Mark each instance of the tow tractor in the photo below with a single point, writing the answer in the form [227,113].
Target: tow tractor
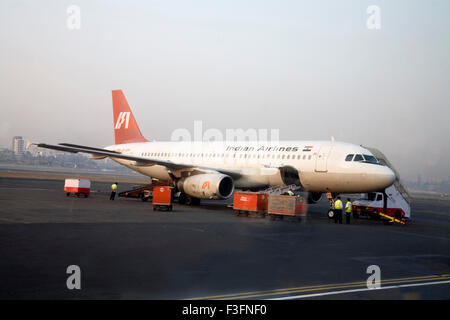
[390,206]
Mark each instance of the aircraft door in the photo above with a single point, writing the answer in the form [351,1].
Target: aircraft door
[322,158]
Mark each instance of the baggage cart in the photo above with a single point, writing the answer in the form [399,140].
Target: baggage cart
[282,205]
[143,192]
[78,187]
[252,203]
[162,198]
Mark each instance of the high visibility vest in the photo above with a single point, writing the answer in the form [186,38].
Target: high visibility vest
[114,187]
[338,205]
[348,207]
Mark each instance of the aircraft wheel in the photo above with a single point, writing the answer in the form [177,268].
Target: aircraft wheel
[330,214]
[374,215]
[189,200]
[182,198]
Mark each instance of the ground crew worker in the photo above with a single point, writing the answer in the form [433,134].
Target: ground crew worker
[290,193]
[338,210]
[113,191]
[348,210]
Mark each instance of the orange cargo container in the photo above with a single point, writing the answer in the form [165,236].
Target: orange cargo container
[286,206]
[162,198]
[249,202]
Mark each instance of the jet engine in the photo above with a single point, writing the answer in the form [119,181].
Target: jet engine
[207,186]
[314,197]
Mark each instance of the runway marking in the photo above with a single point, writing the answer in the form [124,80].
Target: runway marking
[25,188]
[360,290]
[407,233]
[278,292]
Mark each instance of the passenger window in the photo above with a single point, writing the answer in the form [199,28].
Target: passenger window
[358,157]
[309,157]
[349,157]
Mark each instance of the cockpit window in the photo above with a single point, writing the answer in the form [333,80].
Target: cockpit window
[349,157]
[370,159]
[366,158]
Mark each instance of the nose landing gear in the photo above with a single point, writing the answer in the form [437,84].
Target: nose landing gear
[331,197]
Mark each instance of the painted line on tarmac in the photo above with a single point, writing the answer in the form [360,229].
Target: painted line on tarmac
[24,188]
[360,290]
[347,285]
[407,233]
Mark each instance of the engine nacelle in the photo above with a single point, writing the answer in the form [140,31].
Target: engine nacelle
[314,197]
[207,186]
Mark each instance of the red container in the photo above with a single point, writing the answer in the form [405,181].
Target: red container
[250,201]
[162,195]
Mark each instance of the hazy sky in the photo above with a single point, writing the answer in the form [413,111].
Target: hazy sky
[310,69]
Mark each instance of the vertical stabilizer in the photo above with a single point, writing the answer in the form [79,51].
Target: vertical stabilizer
[126,129]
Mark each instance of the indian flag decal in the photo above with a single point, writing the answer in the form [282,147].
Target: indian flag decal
[307,148]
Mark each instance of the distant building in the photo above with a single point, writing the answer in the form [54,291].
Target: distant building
[18,145]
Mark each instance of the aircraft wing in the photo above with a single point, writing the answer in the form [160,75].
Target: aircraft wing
[138,161]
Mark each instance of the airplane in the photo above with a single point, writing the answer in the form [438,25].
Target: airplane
[212,170]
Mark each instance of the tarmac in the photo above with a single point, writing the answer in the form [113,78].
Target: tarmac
[125,250]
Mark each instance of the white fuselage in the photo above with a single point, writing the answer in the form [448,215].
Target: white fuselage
[321,166]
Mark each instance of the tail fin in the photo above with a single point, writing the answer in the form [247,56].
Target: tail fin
[126,129]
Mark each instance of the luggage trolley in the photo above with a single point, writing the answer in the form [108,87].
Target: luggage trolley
[162,198]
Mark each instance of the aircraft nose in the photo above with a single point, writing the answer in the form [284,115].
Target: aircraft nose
[385,177]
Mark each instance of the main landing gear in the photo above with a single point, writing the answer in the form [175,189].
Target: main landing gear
[184,198]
